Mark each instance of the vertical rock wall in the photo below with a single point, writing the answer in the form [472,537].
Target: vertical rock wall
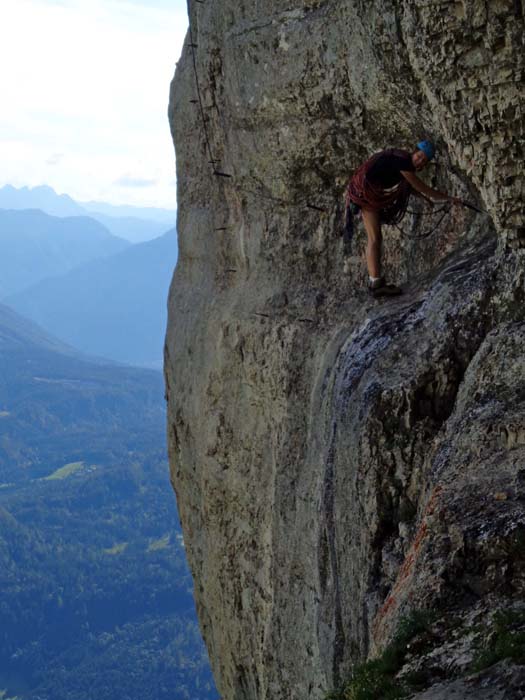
[313,431]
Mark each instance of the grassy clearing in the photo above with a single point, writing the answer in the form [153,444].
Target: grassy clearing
[116,549]
[65,471]
[161,543]
[3,696]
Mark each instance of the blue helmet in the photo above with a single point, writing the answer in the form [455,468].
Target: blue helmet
[428,148]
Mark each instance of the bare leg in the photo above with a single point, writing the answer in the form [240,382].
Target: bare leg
[375,239]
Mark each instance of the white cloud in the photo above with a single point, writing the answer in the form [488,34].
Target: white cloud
[131,181]
[88,80]
[54,159]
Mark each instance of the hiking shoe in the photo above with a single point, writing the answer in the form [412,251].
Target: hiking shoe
[379,288]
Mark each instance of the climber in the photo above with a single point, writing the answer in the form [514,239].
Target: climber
[381,188]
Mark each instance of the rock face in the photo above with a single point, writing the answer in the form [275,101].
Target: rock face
[341,462]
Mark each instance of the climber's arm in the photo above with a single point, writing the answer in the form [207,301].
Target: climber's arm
[427,191]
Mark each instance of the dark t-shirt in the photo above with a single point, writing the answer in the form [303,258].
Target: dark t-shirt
[386,171]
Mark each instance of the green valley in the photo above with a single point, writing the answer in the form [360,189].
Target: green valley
[97,599]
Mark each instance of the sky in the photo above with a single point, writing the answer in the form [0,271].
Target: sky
[84,92]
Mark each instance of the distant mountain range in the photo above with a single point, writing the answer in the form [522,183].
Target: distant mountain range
[44,198]
[135,224]
[34,245]
[114,307]
[162,216]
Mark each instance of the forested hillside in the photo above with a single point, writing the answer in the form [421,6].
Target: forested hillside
[96,595]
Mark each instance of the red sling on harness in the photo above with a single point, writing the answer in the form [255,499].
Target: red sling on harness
[391,203]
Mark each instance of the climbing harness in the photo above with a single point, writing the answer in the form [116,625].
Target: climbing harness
[391,203]
[353,209]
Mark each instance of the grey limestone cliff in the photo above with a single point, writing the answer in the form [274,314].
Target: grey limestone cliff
[340,462]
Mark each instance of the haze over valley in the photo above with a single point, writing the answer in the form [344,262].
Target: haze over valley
[90,288]
[98,597]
